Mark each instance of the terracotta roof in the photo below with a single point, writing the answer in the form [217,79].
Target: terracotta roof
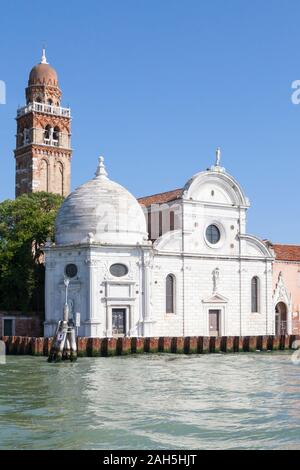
[43,74]
[287,252]
[161,198]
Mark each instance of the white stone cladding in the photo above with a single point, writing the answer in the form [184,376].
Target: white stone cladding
[208,277]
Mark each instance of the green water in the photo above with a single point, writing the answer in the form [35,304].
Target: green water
[212,401]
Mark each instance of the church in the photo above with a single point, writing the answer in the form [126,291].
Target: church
[178,263]
[203,275]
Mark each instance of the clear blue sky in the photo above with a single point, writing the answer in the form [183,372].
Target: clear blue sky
[156,85]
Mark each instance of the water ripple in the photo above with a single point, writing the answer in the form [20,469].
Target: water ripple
[241,401]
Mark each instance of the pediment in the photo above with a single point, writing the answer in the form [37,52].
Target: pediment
[215,299]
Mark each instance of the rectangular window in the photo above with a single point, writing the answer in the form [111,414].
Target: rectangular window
[160,223]
[7,327]
[172,221]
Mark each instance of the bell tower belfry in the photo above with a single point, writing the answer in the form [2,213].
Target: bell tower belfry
[43,142]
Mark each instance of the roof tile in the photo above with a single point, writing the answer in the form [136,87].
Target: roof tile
[287,252]
[161,198]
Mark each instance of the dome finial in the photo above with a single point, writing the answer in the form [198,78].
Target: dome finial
[44,58]
[101,171]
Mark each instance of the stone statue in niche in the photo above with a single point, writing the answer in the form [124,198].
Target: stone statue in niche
[216,280]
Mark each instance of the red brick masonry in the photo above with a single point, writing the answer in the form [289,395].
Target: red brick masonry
[93,347]
[30,325]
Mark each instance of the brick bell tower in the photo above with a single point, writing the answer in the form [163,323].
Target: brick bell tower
[43,142]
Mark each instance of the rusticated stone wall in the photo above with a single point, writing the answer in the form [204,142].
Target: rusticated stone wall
[93,347]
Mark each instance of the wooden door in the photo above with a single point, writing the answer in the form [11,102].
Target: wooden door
[119,321]
[214,323]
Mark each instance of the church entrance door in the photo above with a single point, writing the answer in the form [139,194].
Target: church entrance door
[119,321]
[214,322]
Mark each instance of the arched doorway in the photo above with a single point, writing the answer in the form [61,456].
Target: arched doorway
[281,327]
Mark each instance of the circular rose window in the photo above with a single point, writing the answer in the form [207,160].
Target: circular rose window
[213,234]
[118,270]
[71,270]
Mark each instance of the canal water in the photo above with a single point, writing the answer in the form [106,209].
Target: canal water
[216,401]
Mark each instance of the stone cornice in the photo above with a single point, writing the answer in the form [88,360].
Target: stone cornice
[43,149]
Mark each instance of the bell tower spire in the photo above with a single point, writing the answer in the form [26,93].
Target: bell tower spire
[43,143]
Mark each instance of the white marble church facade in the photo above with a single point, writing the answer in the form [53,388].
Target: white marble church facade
[201,275]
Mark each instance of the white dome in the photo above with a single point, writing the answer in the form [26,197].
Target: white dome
[101,211]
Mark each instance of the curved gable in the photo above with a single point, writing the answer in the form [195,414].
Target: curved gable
[217,187]
[253,246]
[170,241]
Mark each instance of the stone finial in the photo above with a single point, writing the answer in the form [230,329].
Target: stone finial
[218,156]
[101,171]
[44,58]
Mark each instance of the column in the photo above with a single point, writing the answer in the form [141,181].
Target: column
[148,321]
[92,318]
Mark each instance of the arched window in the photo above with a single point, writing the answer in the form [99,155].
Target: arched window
[47,134]
[50,102]
[170,294]
[255,294]
[56,132]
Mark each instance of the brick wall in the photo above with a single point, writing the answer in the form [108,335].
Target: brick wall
[22,325]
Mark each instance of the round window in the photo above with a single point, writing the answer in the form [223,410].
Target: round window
[118,270]
[213,234]
[71,270]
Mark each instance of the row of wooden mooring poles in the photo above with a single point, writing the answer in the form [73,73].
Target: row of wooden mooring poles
[93,347]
